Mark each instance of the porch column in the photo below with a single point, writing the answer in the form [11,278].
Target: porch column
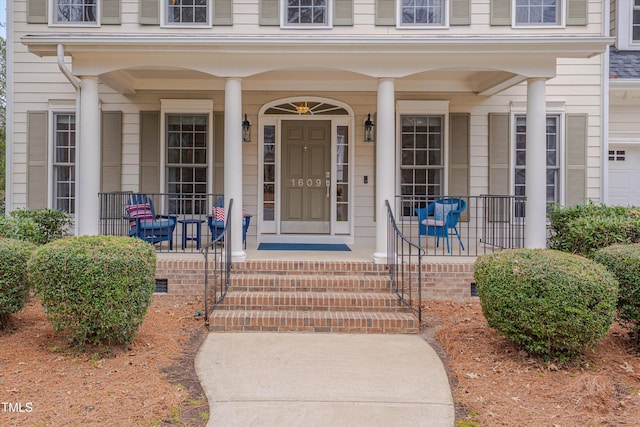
[535,229]
[233,162]
[88,158]
[385,164]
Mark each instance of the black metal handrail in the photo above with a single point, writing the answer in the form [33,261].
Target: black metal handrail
[221,266]
[404,262]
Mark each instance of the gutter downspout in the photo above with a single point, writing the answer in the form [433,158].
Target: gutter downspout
[77,85]
[604,182]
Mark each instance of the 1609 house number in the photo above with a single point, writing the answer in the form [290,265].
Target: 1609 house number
[300,182]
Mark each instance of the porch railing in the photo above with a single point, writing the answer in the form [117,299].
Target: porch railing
[488,224]
[219,251]
[404,263]
[190,210]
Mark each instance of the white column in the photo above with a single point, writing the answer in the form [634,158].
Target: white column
[88,158]
[233,162]
[385,163]
[535,229]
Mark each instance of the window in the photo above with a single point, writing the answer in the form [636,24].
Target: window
[422,13]
[194,12]
[64,156]
[538,12]
[187,137]
[617,155]
[635,25]
[421,167]
[306,13]
[553,157]
[76,11]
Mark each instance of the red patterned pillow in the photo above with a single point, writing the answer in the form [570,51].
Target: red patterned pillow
[218,213]
[140,211]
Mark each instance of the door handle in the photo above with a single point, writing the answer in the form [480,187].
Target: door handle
[327,186]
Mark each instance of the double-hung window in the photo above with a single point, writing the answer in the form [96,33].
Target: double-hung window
[188,12]
[186,140]
[75,11]
[422,13]
[553,157]
[635,22]
[64,155]
[307,13]
[538,12]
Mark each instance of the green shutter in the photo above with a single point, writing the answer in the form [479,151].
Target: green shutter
[149,12]
[111,151]
[576,165]
[499,154]
[501,12]
[37,173]
[37,12]
[385,12]
[218,152]
[111,12]
[460,12]
[577,12]
[222,12]
[270,12]
[459,137]
[150,151]
[343,12]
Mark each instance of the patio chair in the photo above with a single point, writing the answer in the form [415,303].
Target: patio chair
[146,224]
[440,219]
[215,221]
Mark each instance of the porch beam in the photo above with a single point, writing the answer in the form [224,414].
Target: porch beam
[535,229]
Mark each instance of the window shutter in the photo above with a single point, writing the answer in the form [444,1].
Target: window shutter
[150,151]
[459,154]
[501,12]
[218,152]
[149,12]
[577,12]
[576,188]
[343,12]
[460,12]
[270,12]
[110,12]
[37,12]
[499,154]
[385,12]
[222,12]
[37,174]
[111,156]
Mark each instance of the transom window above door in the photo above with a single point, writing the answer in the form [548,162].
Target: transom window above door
[307,13]
[302,107]
[422,13]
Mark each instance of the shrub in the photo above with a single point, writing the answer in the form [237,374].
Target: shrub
[37,226]
[14,288]
[587,228]
[551,303]
[97,288]
[624,262]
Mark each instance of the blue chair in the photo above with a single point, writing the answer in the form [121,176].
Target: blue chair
[145,224]
[217,226]
[440,219]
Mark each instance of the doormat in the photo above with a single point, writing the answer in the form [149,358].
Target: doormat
[303,247]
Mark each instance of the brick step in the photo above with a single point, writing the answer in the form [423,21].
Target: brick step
[301,283]
[312,301]
[313,321]
[310,267]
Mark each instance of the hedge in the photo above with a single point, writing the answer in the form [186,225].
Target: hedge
[14,285]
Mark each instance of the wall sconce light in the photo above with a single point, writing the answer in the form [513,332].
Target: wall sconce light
[369,126]
[246,130]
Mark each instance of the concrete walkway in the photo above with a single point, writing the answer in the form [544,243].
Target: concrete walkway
[298,379]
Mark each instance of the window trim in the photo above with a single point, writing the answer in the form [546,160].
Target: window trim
[286,26]
[444,25]
[164,16]
[624,19]
[55,108]
[562,23]
[53,21]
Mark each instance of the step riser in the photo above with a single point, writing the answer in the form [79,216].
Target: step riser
[310,268]
[302,302]
[308,284]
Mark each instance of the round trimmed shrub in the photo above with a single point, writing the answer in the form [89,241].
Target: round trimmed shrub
[14,285]
[96,288]
[624,262]
[552,303]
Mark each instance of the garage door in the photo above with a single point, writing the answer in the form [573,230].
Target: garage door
[624,175]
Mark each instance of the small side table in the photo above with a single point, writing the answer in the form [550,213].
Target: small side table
[186,236]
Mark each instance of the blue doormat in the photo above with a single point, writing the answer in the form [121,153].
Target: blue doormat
[302,247]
